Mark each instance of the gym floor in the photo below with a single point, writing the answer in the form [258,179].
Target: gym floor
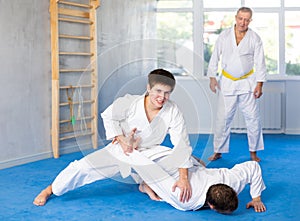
[115,200]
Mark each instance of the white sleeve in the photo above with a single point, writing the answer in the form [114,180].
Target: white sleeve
[246,173]
[179,137]
[256,183]
[259,61]
[115,114]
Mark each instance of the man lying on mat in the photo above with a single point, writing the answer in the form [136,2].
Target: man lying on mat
[216,188]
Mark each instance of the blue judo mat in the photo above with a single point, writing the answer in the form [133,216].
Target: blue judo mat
[112,200]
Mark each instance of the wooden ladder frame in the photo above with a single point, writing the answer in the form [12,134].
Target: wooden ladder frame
[84,14]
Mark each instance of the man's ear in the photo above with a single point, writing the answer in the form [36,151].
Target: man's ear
[211,206]
[148,88]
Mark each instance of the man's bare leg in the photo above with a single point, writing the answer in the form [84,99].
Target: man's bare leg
[43,196]
[215,156]
[254,157]
[144,188]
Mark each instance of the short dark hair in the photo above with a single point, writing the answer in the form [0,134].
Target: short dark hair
[245,9]
[222,197]
[161,76]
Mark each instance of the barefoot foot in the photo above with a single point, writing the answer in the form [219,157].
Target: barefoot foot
[254,157]
[215,156]
[144,188]
[42,198]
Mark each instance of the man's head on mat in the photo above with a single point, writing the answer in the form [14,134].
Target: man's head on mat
[160,85]
[222,198]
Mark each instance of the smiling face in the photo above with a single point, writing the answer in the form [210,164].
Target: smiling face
[243,19]
[159,94]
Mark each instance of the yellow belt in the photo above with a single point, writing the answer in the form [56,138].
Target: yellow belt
[226,74]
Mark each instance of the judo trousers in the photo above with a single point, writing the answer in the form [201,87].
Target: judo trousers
[109,162]
[227,105]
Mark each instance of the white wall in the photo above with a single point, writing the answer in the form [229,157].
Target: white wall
[292,108]
[196,102]
[25,81]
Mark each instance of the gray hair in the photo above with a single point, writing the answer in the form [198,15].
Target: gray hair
[245,9]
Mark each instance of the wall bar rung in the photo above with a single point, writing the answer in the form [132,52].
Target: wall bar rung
[78,119]
[74,136]
[76,37]
[74,13]
[76,20]
[77,102]
[76,53]
[75,70]
[75,4]
[76,86]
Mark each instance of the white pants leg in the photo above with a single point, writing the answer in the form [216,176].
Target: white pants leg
[250,109]
[225,112]
[98,165]
[226,109]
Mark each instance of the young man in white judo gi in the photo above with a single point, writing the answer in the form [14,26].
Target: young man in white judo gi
[149,117]
[217,188]
[241,50]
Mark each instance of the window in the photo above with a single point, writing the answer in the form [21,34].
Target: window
[292,43]
[220,3]
[262,3]
[192,27]
[266,25]
[175,4]
[291,3]
[175,34]
[214,23]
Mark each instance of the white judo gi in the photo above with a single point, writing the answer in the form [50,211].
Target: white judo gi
[121,117]
[238,60]
[200,178]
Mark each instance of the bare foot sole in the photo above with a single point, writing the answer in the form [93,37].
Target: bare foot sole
[42,198]
[215,156]
[144,188]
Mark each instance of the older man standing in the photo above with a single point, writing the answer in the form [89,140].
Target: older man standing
[240,50]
